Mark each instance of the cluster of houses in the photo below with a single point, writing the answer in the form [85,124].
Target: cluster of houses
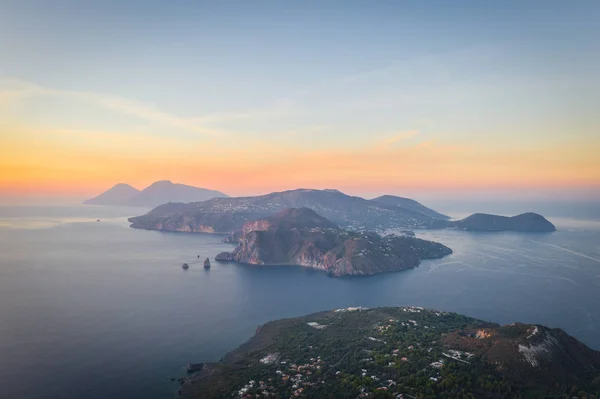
[248,390]
[351,309]
[300,378]
[297,376]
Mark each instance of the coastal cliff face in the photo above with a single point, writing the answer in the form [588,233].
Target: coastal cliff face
[526,222]
[228,215]
[324,246]
[205,222]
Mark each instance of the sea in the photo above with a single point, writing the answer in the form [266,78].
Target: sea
[91,308]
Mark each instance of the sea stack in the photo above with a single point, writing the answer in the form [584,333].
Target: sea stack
[207,263]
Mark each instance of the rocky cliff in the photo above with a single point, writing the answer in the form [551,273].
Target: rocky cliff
[315,242]
[532,353]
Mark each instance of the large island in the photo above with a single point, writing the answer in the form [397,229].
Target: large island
[407,352]
[299,236]
[228,215]
[381,214]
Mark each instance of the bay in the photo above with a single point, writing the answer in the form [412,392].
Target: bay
[99,310]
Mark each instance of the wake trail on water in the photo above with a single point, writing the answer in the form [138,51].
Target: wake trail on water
[490,255]
[434,267]
[567,250]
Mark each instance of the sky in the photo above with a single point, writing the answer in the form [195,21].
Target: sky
[414,98]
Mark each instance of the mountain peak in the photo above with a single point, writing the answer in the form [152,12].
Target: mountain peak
[116,195]
[119,185]
[158,193]
[161,183]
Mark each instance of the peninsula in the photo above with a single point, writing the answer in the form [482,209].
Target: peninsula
[299,236]
[406,352]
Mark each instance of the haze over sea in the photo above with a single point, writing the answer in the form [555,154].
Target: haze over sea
[99,310]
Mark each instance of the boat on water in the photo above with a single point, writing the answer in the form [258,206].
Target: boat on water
[185,266]
[207,263]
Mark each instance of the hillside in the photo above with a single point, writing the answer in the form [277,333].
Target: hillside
[526,222]
[291,218]
[408,205]
[119,194]
[413,352]
[302,237]
[227,215]
[160,192]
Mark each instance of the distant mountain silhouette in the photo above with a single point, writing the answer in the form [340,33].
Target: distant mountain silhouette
[165,191]
[118,194]
[158,193]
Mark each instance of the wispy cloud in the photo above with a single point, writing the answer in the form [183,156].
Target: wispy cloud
[280,108]
[389,141]
[14,89]
[306,130]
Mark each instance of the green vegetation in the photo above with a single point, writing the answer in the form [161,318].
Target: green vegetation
[380,353]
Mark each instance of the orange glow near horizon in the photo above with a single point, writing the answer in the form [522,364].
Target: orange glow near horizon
[61,163]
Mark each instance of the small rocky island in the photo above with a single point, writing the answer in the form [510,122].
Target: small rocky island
[299,236]
[406,352]
[526,223]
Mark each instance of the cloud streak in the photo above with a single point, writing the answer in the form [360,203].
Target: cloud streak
[389,141]
[13,89]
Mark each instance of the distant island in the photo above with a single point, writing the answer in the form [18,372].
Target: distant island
[406,352]
[299,236]
[160,192]
[527,222]
[228,215]
[119,194]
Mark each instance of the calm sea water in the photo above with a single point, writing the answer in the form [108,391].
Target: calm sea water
[99,310]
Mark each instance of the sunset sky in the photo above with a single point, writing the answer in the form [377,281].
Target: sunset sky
[370,97]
